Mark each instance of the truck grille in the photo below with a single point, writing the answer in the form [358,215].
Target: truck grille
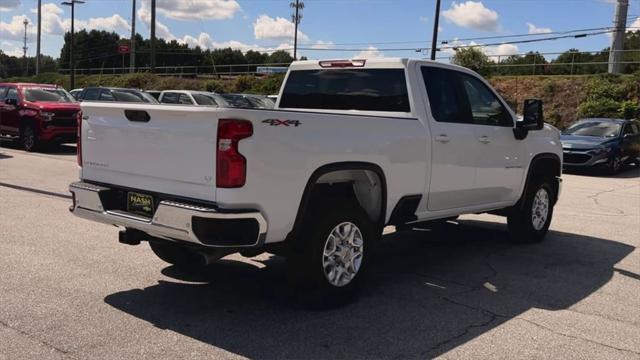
[570,158]
[65,119]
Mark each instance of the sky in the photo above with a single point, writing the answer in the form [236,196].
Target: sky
[329,28]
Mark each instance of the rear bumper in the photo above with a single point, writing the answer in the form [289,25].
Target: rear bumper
[204,225]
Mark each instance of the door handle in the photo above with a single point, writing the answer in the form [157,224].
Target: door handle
[484,139]
[442,138]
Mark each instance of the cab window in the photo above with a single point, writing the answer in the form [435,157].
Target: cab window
[12,93]
[485,107]
[91,94]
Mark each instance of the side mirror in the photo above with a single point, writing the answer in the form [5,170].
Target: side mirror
[13,102]
[628,136]
[533,118]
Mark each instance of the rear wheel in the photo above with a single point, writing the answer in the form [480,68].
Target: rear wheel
[332,256]
[530,223]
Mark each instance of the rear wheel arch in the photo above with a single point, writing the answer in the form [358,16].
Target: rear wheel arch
[373,198]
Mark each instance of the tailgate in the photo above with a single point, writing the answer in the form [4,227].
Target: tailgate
[174,152]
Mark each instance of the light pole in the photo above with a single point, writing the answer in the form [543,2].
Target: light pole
[436,20]
[72,65]
[296,17]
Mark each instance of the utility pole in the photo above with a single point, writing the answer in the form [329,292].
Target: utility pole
[434,40]
[132,50]
[153,36]
[25,48]
[39,37]
[296,17]
[72,64]
[617,44]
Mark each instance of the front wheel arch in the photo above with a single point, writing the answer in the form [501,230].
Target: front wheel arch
[542,165]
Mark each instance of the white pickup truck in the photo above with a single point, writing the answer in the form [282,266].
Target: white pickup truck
[351,146]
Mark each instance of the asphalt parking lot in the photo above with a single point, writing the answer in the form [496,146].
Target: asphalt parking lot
[69,290]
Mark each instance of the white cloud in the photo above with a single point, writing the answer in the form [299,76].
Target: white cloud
[198,9]
[369,53]
[14,30]
[635,26]
[423,19]
[266,27]
[323,45]
[53,22]
[500,50]
[8,5]
[493,52]
[472,14]
[538,30]
[11,49]
[205,41]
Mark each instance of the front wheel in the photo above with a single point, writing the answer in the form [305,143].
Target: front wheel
[333,254]
[615,164]
[29,139]
[530,223]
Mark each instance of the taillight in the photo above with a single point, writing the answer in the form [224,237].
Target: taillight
[231,166]
[79,121]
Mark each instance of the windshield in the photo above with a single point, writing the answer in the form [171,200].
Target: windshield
[202,99]
[594,128]
[48,95]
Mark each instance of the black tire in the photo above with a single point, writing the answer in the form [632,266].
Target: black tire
[521,220]
[615,165]
[29,138]
[174,254]
[307,258]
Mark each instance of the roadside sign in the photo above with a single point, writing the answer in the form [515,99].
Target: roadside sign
[123,49]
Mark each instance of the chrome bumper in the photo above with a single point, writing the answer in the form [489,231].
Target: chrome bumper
[172,220]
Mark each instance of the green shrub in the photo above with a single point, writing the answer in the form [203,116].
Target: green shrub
[215,86]
[629,109]
[601,107]
[245,83]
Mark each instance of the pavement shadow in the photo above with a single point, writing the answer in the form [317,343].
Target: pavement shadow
[425,295]
[5,156]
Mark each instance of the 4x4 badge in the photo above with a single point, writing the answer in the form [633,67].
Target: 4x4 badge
[277,122]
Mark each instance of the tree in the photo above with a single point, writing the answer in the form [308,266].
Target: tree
[474,59]
[280,56]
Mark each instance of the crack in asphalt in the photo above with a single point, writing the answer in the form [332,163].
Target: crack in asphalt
[576,337]
[617,211]
[32,337]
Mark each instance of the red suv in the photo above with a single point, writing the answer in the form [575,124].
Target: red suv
[37,114]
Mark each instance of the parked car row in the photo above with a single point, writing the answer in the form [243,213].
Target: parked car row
[36,114]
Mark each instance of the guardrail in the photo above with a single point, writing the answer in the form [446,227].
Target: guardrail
[631,60]
[187,71]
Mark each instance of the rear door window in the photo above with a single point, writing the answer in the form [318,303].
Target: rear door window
[105,95]
[3,90]
[447,101]
[184,99]
[170,98]
[347,89]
